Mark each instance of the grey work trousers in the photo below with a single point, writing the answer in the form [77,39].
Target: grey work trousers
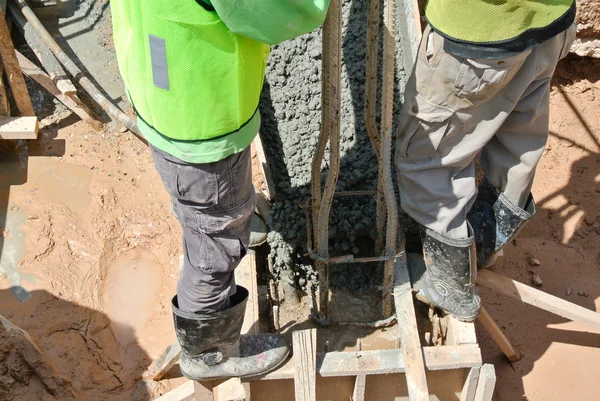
[215,203]
[456,108]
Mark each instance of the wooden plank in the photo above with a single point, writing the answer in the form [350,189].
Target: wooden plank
[43,53]
[245,275]
[165,362]
[72,102]
[4,105]
[359,388]
[498,336]
[13,71]
[470,386]
[204,391]
[538,298]
[19,127]
[383,362]
[247,390]
[264,167]
[305,364]
[409,334]
[460,333]
[185,392]
[487,382]
[443,385]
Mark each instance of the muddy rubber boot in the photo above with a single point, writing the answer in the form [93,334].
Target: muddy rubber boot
[449,280]
[258,231]
[496,221]
[212,347]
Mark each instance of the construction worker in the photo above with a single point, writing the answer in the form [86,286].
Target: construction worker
[480,85]
[194,70]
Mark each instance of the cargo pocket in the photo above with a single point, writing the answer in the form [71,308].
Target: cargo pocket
[481,78]
[422,128]
[197,183]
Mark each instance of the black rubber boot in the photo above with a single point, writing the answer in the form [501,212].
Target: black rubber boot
[212,347]
[496,221]
[449,280]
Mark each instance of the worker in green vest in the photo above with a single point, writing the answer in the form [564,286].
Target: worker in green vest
[194,71]
[480,86]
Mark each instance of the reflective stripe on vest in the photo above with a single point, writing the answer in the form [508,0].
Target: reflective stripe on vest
[188,76]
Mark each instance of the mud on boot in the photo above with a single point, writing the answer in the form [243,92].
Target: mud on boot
[496,221]
[449,280]
[213,348]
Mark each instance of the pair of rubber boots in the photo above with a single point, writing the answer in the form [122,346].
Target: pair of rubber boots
[451,264]
[212,346]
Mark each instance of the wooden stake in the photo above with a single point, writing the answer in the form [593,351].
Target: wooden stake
[359,388]
[13,71]
[498,336]
[470,387]
[487,382]
[538,298]
[165,362]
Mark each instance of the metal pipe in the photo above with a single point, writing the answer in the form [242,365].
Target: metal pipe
[112,110]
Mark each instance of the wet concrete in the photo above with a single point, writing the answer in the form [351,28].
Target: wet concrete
[290,108]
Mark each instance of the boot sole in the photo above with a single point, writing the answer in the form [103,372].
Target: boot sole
[466,319]
[283,361]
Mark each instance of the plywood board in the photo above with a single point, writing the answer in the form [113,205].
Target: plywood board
[19,127]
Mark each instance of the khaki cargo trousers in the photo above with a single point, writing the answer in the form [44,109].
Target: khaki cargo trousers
[456,108]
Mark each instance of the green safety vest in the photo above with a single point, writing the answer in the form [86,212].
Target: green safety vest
[188,76]
[489,21]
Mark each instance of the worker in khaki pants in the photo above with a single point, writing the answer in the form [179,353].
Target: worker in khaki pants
[480,85]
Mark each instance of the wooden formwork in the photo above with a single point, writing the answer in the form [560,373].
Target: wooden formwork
[454,371]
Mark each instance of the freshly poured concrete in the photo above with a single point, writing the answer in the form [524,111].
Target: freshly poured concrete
[291,115]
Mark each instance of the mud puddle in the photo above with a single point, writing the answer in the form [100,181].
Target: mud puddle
[60,182]
[12,238]
[130,292]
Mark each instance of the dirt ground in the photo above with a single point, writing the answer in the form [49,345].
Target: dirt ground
[89,254]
